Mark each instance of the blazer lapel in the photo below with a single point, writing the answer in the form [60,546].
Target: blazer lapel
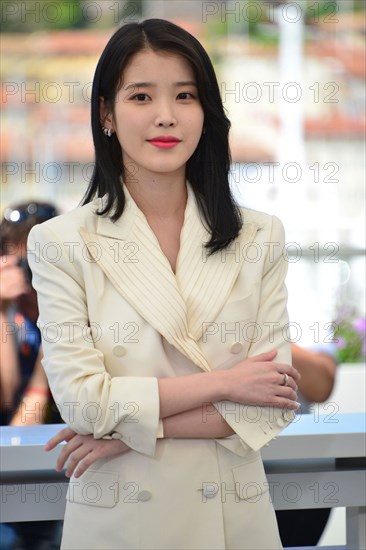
[175,305]
[131,257]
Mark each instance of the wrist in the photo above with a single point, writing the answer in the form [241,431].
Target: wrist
[219,383]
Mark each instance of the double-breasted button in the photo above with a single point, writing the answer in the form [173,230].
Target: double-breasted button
[144,496]
[119,351]
[210,490]
[116,435]
[289,415]
[236,348]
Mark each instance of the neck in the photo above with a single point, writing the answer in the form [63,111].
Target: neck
[164,196]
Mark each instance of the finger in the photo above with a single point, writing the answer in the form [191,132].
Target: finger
[294,373]
[287,392]
[111,448]
[289,370]
[79,457]
[86,455]
[266,356]
[63,435]
[292,384]
[67,450]
[85,463]
[286,381]
[284,403]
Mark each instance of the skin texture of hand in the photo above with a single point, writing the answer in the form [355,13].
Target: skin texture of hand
[259,381]
[81,451]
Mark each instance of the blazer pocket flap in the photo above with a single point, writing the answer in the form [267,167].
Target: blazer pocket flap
[250,480]
[94,488]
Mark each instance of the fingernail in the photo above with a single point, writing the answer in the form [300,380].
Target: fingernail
[298,405]
[46,447]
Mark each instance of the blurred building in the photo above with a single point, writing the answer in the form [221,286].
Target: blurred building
[46,145]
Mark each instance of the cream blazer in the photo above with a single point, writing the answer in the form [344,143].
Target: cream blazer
[114,318]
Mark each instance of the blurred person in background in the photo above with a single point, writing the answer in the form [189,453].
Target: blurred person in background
[24,391]
[317,367]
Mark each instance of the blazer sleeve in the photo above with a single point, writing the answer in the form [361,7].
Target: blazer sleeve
[89,399]
[256,425]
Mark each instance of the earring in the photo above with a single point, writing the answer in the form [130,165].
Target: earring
[204,130]
[107,131]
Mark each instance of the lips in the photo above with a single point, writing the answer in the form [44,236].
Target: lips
[164,142]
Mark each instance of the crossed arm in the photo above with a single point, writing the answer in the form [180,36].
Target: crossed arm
[186,410]
[180,402]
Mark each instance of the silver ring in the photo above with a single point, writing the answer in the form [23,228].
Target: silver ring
[285,379]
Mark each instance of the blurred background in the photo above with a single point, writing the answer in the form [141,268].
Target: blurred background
[292,78]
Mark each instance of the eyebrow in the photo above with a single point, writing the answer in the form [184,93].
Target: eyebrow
[152,85]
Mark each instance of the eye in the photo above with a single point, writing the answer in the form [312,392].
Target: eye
[140,98]
[185,95]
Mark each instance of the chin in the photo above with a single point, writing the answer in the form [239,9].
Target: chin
[165,168]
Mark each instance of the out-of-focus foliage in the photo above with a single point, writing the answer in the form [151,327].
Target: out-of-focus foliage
[350,336]
[29,15]
[34,15]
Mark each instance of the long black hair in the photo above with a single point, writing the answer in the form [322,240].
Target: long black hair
[208,168]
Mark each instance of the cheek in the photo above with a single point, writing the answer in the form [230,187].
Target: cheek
[128,131]
[197,121]
[124,120]
[196,125]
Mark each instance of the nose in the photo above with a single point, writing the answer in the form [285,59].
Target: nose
[165,116]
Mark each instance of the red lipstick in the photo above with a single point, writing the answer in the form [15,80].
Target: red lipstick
[164,142]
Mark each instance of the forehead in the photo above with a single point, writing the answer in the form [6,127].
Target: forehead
[151,66]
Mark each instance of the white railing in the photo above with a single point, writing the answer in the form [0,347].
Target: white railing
[317,462]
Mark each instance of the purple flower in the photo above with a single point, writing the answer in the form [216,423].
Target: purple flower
[360,325]
[341,342]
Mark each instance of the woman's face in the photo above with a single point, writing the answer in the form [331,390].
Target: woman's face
[158,117]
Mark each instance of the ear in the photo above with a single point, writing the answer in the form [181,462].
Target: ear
[105,114]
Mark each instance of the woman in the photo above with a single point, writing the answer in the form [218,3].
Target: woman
[159,328]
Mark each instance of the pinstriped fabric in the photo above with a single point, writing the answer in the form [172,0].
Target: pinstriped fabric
[147,286]
[175,305]
[205,282]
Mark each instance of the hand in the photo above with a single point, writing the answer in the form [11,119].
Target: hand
[13,282]
[259,381]
[83,450]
